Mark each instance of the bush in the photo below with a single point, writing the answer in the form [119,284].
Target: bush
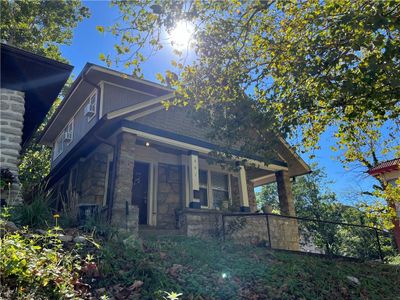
[34,214]
[36,266]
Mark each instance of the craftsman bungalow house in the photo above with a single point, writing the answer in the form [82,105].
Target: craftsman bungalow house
[117,150]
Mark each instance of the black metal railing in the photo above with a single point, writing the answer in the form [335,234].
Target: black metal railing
[308,235]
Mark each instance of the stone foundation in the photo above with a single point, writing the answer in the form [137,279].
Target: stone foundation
[12,111]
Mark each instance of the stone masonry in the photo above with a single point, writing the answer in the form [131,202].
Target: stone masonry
[254,230]
[124,214]
[11,124]
[169,196]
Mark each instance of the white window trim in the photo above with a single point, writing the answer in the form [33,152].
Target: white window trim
[58,153]
[87,101]
[61,136]
[210,197]
[71,122]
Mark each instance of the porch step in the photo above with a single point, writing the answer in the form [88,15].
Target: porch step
[150,231]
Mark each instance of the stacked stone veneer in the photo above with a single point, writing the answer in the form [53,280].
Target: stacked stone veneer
[169,195]
[11,124]
[124,214]
[201,223]
[254,230]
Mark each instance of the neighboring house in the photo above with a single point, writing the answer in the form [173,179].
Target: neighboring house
[117,150]
[389,171]
[29,85]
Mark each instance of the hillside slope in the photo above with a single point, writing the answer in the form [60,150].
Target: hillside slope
[212,270]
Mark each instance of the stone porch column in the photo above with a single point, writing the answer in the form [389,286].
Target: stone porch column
[194,184]
[124,214]
[285,193]
[243,190]
[12,121]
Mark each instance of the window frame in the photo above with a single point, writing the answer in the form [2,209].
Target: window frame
[210,197]
[93,95]
[60,149]
[70,124]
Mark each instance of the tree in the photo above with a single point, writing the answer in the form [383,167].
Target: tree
[41,27]
[295,68]
[313,200]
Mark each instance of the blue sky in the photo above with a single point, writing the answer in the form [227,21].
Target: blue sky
[88,43]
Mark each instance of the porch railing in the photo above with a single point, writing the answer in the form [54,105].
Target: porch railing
[308,235]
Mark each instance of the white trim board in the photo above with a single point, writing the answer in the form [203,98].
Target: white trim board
[141,105]
[258,164]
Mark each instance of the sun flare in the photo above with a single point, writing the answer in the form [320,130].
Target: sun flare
[182,35]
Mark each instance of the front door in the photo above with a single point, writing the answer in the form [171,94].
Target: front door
[140,189]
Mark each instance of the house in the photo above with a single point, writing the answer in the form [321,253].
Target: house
[116,150]
[29,85]
[389,171]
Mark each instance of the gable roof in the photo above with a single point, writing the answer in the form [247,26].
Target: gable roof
[88,79]
[385,167]
[40,78]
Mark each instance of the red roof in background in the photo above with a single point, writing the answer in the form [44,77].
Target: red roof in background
[385,167]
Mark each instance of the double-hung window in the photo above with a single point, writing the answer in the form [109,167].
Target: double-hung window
[213,189]
[69,132]
[220,189]
[58,146]
[91,106]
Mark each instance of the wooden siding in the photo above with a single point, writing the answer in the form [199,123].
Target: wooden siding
[81,127]
[116,97]
[175,120]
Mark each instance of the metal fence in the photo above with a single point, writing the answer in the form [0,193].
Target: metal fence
[335,239]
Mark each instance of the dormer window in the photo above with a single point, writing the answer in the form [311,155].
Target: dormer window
[91,106]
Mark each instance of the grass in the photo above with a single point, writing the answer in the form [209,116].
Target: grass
[213,270]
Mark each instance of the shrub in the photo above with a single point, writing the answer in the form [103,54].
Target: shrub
[36,266]
[34,214]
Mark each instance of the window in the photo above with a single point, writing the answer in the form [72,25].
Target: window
[65,138]
[203,180]
[220,189]
[69,132]
[58,146]
[213,189]
[90,108]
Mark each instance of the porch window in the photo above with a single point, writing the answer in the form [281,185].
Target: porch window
[220,189]
[203,179]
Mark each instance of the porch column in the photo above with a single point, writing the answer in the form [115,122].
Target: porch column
[194,180]
[244,195]
[285,193]
[124,214]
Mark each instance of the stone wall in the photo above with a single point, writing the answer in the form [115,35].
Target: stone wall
[252,196]
[200,223]
[91,179]
[254,230]
[12,120]
[235,206]
[169,195]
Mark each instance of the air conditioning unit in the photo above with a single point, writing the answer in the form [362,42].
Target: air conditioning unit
[68,136]
[88,111]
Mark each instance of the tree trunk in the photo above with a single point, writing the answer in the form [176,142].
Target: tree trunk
[396,223]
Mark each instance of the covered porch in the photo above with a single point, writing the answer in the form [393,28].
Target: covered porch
[165,183]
